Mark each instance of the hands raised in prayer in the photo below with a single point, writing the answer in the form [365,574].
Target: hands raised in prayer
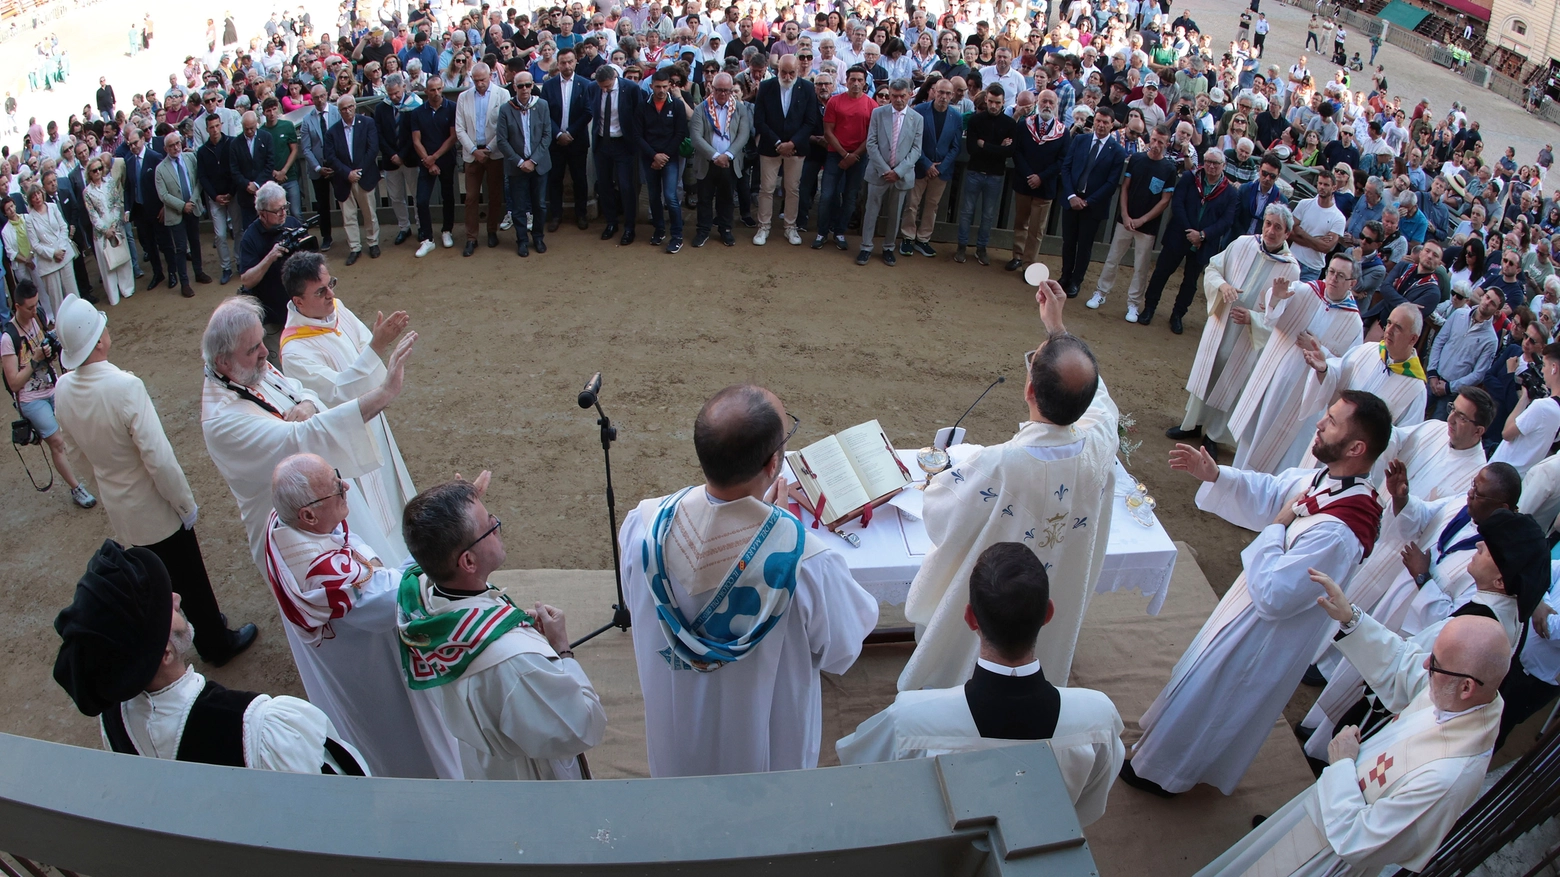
[1346,745]
[1195,462]
[387,329]
[778,491]
[1315,356]
[377,399]
[548,621]
[1281,289]
[1336,605]
[481,484]
[1397,485]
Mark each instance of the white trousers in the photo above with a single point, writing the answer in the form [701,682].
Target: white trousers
[1142,244]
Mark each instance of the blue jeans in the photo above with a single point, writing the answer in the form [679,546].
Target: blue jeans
[526,193]
[1309,274]
[295,198]
[665,191]
[987,190]
[838,201]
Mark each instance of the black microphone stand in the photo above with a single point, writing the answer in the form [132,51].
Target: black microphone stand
[620,615]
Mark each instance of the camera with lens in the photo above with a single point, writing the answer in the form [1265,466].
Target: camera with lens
[51,341]
[295,239]
[1532,380]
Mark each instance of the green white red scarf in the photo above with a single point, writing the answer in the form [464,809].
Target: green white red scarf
[437,645]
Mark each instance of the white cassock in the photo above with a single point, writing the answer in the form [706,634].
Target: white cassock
[1367,367]
[763,712]
[1050,488]
[1394,802]
[1228,352]
[1236,676]
[333,359]
[937,721]
[246,441]
[339,608]
[1541,492]
[1268,421]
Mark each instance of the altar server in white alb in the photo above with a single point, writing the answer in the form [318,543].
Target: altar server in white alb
[1008,698]
[1390,799]
[1232,683]
[254,417]
[1443,457]
[505,680]
[125,656]
[328,350]
[338,602]
[738,606]
[1048,488]
[1236,284]
[1267,421]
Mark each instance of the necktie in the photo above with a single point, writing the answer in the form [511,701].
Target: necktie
[565,90]
[1094,151]
[893,149]
[601,124]
[184,181]
[346,131]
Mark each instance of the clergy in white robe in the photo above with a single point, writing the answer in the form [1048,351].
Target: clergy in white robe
[1236,284]
[1390,799]
[1267,422]
[1007,700]
[1050,487]
[1232,683]
[1541,492]
[253,417]
[338,604]
[124,655]
[740,607]
[328,350]
[505,680]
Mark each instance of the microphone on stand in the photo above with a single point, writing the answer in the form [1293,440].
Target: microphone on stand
[953,430]
[593,387]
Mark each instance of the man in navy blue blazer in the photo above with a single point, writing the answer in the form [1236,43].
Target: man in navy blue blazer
[569,105]
[142,203]
[352,148]
[1091,172]
[942,136]
[1201,213]
[614,130]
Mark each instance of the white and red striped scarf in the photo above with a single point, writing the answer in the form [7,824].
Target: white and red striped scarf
[330,587]
[1351,500]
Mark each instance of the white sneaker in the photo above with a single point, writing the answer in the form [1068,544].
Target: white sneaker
[449,240]
[1095,301]
[793,237]
[507,223]
[81,497]
[1131,314]
[761,238]
[424,248]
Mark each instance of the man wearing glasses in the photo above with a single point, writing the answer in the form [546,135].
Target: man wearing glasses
[337,598]
[260,251]
[508,686]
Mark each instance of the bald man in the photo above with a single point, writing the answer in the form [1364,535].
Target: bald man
[739,605]
[1389,799]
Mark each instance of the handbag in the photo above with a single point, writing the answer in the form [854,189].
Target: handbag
[115,255]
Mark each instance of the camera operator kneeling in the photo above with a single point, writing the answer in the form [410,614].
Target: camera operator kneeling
[265,245]
[30,356]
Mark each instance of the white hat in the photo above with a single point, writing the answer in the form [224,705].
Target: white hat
[80,326]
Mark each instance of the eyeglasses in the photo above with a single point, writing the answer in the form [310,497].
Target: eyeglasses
[1435,668]
[341,490]
[490,531]
[329,287]
[1339,275]
[795,425]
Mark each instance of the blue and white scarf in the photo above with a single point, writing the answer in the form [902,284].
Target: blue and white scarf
[745,606]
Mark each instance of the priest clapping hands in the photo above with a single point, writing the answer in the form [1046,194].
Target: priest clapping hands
[387,329]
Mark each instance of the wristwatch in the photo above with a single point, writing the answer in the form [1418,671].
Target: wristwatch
[1348,626]
[1419,580]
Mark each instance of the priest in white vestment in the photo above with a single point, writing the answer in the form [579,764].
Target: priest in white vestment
[1008,699]
[505,679]
[338,604]
[1050,487]
[328,350]
[738,606]
[254,417]
[1232,683]
[125,656]
[1236,284]
[1390,799]
[1541,492]
[1267,421]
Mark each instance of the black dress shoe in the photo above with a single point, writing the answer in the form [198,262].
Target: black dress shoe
[658,239]
[352,257]
[172,281]
[700,239]
[980,256]
[1212,447]
[1146,317]
[1013,265]
[727,238]
[1175,324]
[1313,677]
[1175,433]
[521,248]
[581,221]
[863,257]
[373,252]
[888,258]
[1302,733]
[492,239]
[200,277]
[471,247]
[552,224]
[1130,777]
[627,238]
[238,641]
[609,232]
[402,235]
[1072,291]
[538,244]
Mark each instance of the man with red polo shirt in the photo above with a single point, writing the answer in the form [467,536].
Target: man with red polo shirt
[845,121]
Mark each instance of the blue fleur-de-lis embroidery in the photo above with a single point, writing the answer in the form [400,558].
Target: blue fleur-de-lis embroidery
[1029,534]
[1060,492]
[1080,522]
[957,478]
[1047,566]
[1008,512]
[988,493]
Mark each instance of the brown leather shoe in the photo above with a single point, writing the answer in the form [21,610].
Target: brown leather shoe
[186,290]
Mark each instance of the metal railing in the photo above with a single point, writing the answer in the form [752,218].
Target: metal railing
[1526,796]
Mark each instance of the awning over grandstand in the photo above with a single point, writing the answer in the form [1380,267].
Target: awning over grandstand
[1404,15]
[1467,7]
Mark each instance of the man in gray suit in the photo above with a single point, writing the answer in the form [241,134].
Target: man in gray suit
[893,148]
[524,140]
[719,130]
[311,137]
[178,187]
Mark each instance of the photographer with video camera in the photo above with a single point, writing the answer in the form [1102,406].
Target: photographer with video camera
[266,244]
[1532,426]
[30,357]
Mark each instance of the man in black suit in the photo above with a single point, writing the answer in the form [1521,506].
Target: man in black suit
[352,148]
[252,167]
[614,107]
[1201,212]
[663,125]
[395,140]
[569,105]
[142,202]
[785,116]
[1090,174]
[214,169]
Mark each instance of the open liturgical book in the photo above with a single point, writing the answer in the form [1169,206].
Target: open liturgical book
[846,474]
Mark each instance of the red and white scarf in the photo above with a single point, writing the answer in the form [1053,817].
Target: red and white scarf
[1350,500]
[730,108]
[330,587]
[1056,129]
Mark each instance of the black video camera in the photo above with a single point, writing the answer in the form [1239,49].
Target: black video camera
[1532,380]
[294,239]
